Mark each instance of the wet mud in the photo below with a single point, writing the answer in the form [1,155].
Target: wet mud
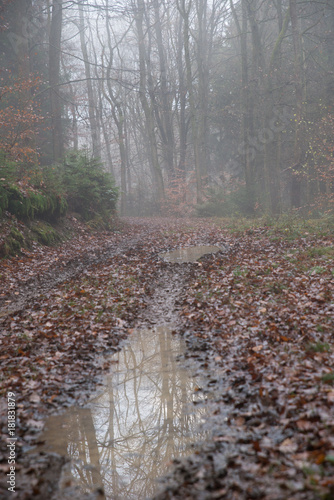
[148,412]
[104,451]
[241,426]
[62,467]
[137,423]
[36,287]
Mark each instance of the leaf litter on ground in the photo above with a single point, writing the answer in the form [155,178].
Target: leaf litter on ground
[262,309]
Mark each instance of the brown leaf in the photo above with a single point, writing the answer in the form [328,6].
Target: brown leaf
[330,397]
[257,348]
[34,398]
[304,425]
[288,446]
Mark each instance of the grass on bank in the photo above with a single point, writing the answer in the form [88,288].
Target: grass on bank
[287,226]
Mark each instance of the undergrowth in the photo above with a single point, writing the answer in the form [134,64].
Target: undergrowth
[36,198]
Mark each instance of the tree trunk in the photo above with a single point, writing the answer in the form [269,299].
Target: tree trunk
[272,153]
[96,143]
[167,123]
[54,79]
[203,84]
[185,13]
[183,100]
[245,148]
[298,84]
[147,108]
[18,36]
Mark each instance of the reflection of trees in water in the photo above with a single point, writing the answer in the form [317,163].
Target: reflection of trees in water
[139,423]
[82,447]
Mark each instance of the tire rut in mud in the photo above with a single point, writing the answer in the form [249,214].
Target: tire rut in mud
[166,293]
[33,288]
[167,289]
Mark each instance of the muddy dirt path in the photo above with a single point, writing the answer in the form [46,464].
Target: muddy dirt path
[152,381]
[263,368]
[76,257]
[156,302]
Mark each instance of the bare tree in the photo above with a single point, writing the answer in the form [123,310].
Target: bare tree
[145,89]
[54,78]
[92,105]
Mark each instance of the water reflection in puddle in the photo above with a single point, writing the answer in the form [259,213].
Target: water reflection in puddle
[188,254]
[130,432]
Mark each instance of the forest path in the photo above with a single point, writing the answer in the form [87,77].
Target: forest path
[257,319]
[63,307]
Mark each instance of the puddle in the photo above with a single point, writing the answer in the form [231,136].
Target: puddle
[188,254]
[126,437]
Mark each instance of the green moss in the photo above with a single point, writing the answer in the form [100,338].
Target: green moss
[78,182]
[326,252]
[328,378]
[317,270]
[44,233]
[12,243]
[3,200]
[17,235]
[318,347]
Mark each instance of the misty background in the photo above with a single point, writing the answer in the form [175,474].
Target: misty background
[221,107]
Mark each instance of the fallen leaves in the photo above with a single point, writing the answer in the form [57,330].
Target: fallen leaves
[330,397]
[288,446]
[34,398]
[271,321]
[266,319]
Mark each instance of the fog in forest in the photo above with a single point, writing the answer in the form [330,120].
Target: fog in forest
[186,107]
